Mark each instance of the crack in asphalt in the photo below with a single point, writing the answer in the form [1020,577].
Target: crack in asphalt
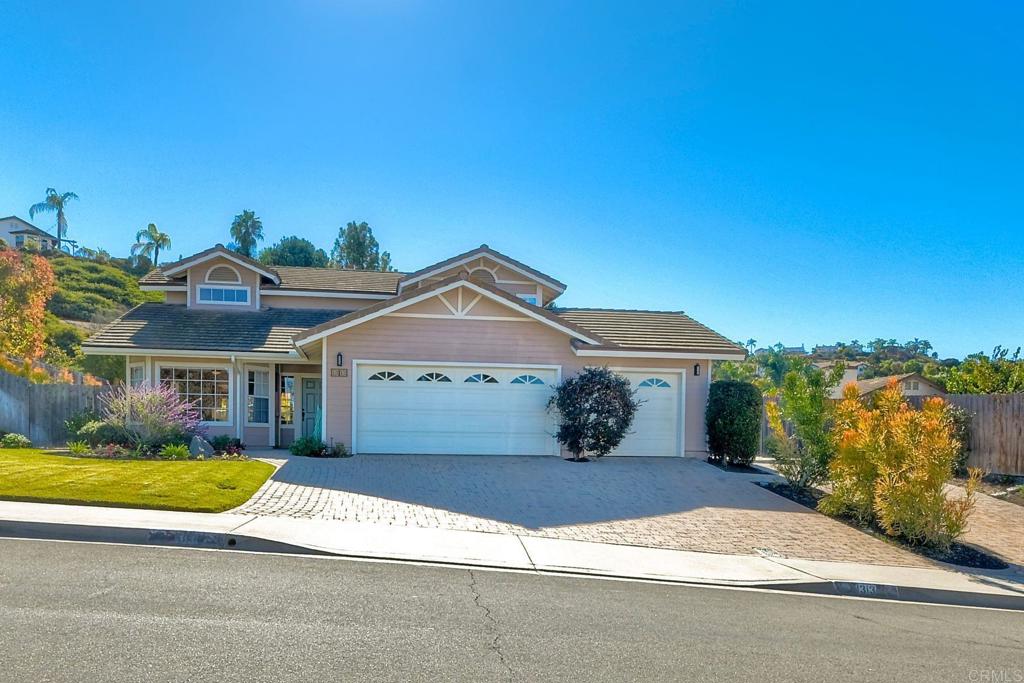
[495,646]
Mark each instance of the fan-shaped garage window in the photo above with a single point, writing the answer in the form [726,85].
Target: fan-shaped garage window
[386,376]
[656,382]
[223,274]
[527,379]
[481,378]
[434,377]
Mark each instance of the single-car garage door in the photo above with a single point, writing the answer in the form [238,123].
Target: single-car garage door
[658,426]
[474,410]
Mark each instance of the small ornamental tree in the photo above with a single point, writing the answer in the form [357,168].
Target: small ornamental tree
[26,284]
[595,410]
[733,421]
[891,467]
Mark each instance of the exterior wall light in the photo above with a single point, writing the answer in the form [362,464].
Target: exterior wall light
[338,360]
[696,370]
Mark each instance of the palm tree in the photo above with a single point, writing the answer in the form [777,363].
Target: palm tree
[55,201]
[751,343]
[247,230]
[149,242]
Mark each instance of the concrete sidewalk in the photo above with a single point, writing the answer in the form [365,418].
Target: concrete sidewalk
[506,551]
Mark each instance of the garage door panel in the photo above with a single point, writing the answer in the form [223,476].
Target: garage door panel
[657,426]
[453,417]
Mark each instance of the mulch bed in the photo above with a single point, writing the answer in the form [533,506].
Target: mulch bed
[959,553]
[739,469]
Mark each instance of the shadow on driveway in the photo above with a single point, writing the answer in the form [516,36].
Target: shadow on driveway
[538,492]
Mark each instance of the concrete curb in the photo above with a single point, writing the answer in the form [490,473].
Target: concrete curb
[178,538]
[216,540]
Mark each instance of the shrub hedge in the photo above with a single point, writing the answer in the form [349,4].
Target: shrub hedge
[733,421]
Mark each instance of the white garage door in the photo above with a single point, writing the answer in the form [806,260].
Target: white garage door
[657,427]
[441,409]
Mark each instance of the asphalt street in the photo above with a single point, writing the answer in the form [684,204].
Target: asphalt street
[89,612]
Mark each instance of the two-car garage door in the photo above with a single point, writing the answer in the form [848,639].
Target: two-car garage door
[491,410]
[483,410]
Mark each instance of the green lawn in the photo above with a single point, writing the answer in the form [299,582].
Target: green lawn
[29,474]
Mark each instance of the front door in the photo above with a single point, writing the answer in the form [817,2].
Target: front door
[310,405]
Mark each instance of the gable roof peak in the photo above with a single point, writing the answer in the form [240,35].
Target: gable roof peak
[493,254]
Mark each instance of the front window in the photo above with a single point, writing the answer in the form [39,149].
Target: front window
[231,296]
[258,397]
[136,375]
[205,388]
[287,400]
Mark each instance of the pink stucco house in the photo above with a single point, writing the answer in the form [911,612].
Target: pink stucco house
[458,357]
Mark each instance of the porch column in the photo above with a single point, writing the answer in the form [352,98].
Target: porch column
[275,385]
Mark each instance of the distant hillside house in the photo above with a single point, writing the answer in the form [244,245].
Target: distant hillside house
[19,233]
[851,373]
[912,384]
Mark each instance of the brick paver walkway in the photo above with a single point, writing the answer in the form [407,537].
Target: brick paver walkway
[996,526]
[657,502]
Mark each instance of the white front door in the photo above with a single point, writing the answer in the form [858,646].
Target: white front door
[474,410]
[658,426]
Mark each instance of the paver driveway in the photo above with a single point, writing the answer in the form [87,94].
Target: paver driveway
[674,503]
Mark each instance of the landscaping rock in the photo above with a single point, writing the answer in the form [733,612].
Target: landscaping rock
[200,446]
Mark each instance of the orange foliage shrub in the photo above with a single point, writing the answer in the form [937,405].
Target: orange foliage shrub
[891,465]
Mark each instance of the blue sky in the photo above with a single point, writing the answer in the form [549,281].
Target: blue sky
[783,171]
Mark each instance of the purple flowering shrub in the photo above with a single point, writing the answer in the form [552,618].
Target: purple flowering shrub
[151,417]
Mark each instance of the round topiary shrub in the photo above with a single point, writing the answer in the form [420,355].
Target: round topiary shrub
[733,422]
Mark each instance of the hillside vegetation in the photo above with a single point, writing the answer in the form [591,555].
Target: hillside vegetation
[88,294]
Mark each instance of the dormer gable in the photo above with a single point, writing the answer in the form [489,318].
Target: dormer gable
[491,267]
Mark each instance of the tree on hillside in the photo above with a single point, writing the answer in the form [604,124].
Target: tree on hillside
[1002,373]
[149,242]
[294,251]
[247,232]
[55,201]
[356,247]
[26,284]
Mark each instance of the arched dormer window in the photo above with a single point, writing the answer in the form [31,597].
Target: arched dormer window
[223,273]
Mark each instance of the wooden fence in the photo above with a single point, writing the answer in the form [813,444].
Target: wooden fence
[39,410]
[997,430]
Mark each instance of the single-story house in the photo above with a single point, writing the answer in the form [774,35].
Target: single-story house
[458,357]
[912,384]
[18,233]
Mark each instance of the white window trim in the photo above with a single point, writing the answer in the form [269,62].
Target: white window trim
[270,395]
[238,276]
[200,302]
[526,296]
[231,387]
[145,374]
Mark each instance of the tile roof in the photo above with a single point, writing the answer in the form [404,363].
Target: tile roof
[335,279]
[649,330]
[176,327]
[308,279]
[483,250]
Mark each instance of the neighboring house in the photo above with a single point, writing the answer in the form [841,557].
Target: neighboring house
[852,371]
[19,233]
[786,351]
[912,384]
[459,357]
